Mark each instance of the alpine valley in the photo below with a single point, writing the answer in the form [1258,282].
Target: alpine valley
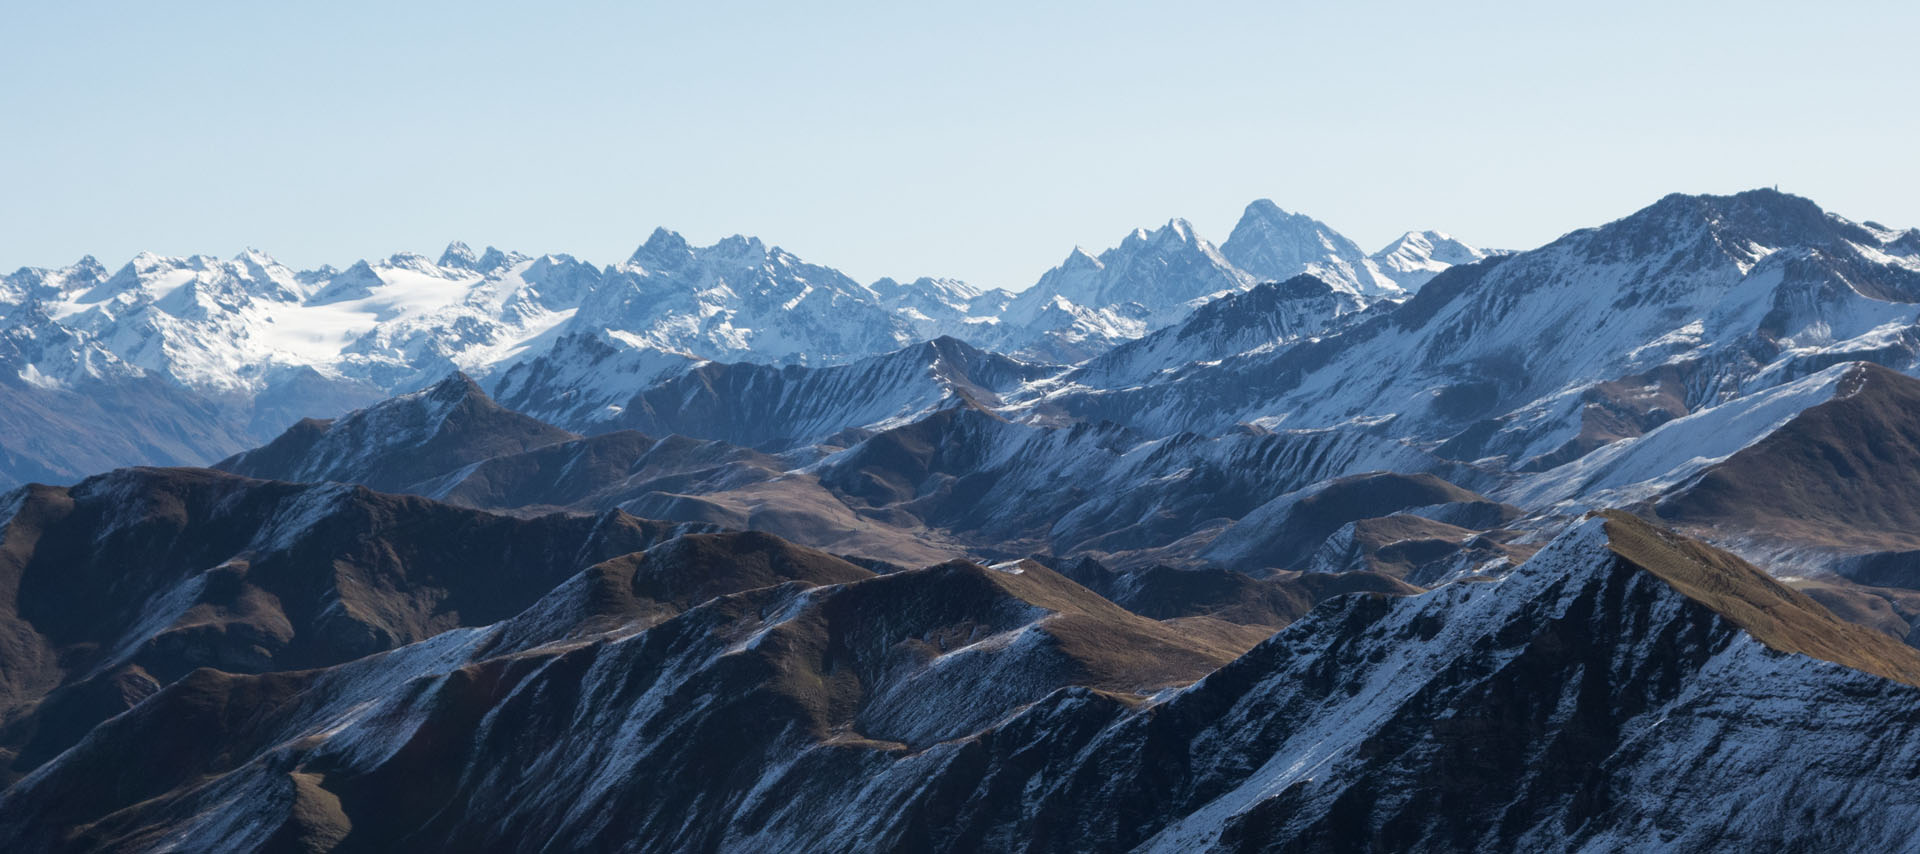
[1274,545]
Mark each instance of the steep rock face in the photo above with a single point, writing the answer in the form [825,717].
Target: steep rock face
[400,442]
[1625,688]
[127,581]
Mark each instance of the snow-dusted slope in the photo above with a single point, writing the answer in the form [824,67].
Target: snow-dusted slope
[1635,469]
[400,442]
[935,307]
[777,408]
[1269,315]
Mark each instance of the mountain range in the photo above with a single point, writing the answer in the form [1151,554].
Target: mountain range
[1274,545]
[222,354]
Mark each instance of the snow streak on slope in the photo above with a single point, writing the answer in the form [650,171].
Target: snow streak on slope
[1635,469]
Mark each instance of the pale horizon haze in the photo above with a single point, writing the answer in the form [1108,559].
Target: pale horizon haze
[979,141]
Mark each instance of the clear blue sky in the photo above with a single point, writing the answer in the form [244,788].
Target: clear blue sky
[978,140]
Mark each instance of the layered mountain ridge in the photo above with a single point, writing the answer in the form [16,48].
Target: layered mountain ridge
[1269,546]
[263,345]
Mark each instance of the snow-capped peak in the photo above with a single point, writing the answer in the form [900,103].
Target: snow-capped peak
[1417,256]
[459,255]
[1274,245]
[664,249]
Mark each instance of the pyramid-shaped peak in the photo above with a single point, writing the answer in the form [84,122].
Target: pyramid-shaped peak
[255,257]
[1263,214]
[1080,259]
[1265,209]
[458,255]
[662,245]
[455,387]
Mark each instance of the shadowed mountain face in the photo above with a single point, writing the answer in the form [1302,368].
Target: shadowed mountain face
[959,480]
[399,442]
[809,705]
[1288,531]
[128,581]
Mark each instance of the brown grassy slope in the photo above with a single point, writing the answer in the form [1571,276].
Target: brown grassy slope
[1119,649]
[1844,474]
[1778,616]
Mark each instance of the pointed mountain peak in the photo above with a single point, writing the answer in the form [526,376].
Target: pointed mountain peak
[455,387]
[1275,245]
[1264,215]
[1416,257]
[1177,229]
[1415,239]
[1080,259]
[663,247]
[1263,209]
[255,258]
[458,256]
[89,268]
[355,282]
